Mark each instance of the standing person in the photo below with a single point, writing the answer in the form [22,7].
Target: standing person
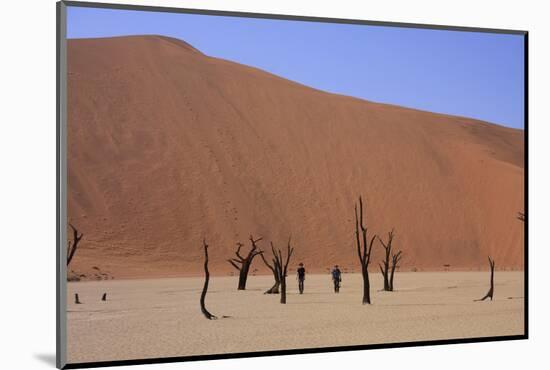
[336,278]
[301,275]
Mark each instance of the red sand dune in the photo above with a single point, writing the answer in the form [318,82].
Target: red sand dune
[168,146]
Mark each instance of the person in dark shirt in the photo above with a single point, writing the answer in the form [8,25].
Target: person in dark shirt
[336,278]
[301,275]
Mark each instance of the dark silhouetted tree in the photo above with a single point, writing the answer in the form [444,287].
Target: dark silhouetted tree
[204,311]
[364,249]
[492,287]
[71,247]
[387,267]
[282,268]
[243,263]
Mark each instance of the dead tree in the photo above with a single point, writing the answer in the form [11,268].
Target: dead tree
[387,269]
[492,288]
[275,288]
[281,268]
[385,265]
[244,262]
[364,250]
[71,247]
[205,312]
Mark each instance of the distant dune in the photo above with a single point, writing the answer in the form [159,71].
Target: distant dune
[168,146]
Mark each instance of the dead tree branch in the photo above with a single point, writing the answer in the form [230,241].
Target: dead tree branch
[395,258]
[275,288]
[492,287]
[386,269]
[204,311]
[364,250]
[282,268]
[71,247]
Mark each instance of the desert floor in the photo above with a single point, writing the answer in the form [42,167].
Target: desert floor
[161,317]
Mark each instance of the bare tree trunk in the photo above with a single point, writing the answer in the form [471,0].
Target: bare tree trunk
[364,250]
[275,288]
[243,276]
[244,262]
[387,270]
[492,287]
[366,286]
[71,248]
[283,290]
[204,311]
[385,266]
[384,273]
[282,268]
[391,277]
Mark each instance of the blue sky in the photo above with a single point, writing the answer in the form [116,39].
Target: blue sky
[478,75]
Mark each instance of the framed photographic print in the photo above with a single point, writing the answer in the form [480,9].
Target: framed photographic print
[235,184]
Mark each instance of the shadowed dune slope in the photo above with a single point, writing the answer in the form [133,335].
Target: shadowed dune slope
[167,145]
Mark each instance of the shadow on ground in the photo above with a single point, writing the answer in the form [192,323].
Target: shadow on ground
[47,358]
